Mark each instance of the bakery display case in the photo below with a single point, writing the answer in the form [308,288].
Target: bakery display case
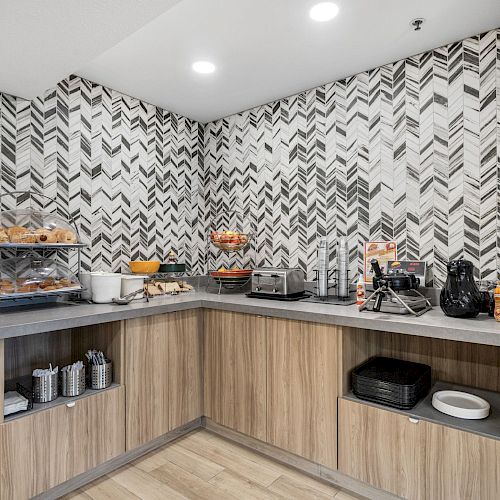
[32,240]
[35,228]
[30,275]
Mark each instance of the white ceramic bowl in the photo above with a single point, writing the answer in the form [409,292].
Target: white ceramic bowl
[461,404]
[131,283]
[105,287]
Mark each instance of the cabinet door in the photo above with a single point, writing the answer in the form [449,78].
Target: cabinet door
[44,449]
[106,426]
[146,379]
[461,465]
[185,370]
[382,448]
[302,389]
[235,371]
[23,467]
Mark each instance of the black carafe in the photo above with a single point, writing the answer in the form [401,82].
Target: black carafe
[460,296]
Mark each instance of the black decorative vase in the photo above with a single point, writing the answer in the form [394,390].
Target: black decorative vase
[460,296]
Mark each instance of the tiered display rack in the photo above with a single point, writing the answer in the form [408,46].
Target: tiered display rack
[229,283]
[39,250]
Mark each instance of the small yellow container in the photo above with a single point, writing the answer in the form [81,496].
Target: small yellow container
[144,266]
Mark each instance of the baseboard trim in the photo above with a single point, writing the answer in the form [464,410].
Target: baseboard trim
[117,462]
[313,469]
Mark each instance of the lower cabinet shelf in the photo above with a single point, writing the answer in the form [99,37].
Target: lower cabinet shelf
[46,448]
[488,427]
[60,401]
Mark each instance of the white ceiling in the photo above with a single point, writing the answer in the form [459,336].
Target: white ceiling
[268,49]
[43,41]
[263,49]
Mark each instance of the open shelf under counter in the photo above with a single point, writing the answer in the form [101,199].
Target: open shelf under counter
[60,401]
[488,427]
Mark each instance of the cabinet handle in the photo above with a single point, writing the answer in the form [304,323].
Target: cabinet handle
[71,405]
[413,420]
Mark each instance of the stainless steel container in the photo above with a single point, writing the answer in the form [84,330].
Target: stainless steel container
[101,376]
[45,389]
[278,281]
[73,382]
[323,267]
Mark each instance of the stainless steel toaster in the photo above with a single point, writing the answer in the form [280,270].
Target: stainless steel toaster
[278,281]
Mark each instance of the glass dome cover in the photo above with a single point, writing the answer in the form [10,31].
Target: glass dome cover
[35,227]
[32,274]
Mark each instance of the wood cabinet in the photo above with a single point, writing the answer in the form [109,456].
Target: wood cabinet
[184,368]
[41,450]
[163,374]
[146,379]
[461,465]
[416,460]
[235,371]
[382,448]
[275,380]
[302,389]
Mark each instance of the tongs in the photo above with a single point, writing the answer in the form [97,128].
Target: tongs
[123,301]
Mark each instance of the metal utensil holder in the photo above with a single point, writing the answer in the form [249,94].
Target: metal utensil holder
[73,382]
[45,388]
[101,376]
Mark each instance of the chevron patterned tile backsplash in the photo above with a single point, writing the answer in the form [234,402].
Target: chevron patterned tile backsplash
[409,151]
[129,173]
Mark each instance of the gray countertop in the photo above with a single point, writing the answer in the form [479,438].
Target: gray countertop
[481,330]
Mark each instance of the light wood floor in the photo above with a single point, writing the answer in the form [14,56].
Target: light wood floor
[202,465]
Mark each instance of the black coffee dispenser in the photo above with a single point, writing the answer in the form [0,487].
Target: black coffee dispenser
[460,296]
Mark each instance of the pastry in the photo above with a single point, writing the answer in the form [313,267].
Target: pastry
[65,236]
[27,288]
[18,234]
[7,289]
[65,282]
[4,237]
[45,236]
[15,230]
[46,283]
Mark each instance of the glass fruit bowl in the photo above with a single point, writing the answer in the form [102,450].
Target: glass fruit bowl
[230,241]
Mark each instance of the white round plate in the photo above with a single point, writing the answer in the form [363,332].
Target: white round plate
[461,404]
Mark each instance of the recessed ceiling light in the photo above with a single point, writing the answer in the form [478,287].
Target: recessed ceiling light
[324,11]
[204,67]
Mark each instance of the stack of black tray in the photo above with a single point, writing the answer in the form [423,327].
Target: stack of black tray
[392,382]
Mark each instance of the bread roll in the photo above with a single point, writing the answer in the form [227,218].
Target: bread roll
[65,236]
